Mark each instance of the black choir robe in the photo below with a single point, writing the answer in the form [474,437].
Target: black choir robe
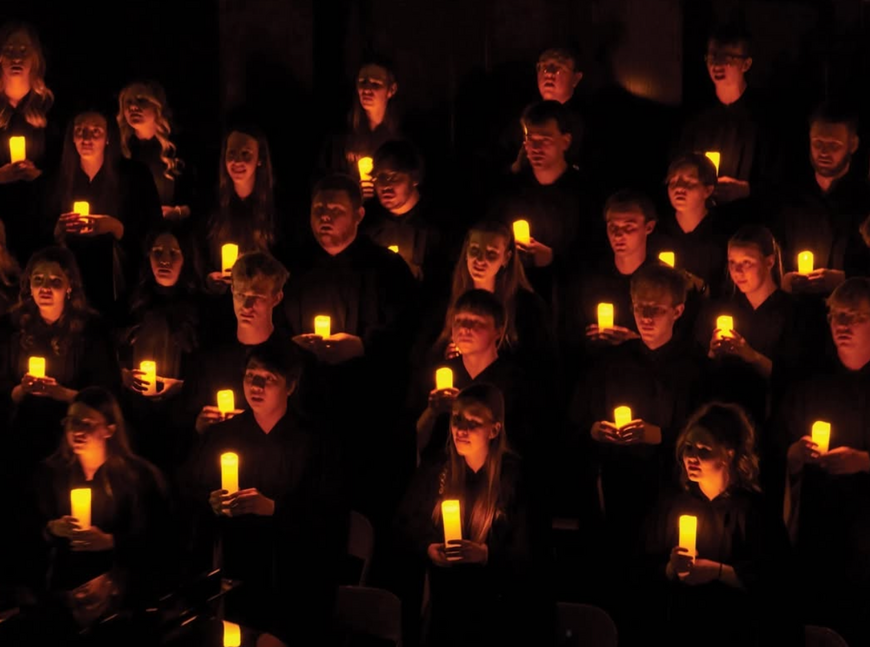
[172,191]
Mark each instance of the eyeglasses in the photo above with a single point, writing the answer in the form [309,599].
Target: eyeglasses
[458,421]
[88,425]
[720,58]
[848,317]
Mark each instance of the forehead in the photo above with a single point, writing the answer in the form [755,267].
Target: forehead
[625,215]
[684,170]
[549,127]
[137,90]
[858,304]
[332,197]
[829,131]
[81,410]
[471,409]
[648,294]
[487,239]
[259,284]
[49,268]
[700,436]
[90,119]
[374,73]
[468,314]
[238,140]
[714,45]
[555,58]
[255,367]
[744,249]
[166,240]
[18,38]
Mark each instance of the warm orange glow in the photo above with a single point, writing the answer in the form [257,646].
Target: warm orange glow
[714,157]
[322,326]
[226,401]
[229,256]
[822,435]
[725,326]
[452,521]
[36,367]
[82,208]
[522,232]
[805,262]
[605,316]
[689,533]
[365,166]
[668,258]
[444,378]
[394,249]
[230,472]
[150,370]
[80,505]
[17,148]
[622,416]
[232,634]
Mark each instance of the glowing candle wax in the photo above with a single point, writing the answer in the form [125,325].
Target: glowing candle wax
[82,208]
[150,370]
[522,233]
[444,378]
[668,258]
[714,157]
[822,435]
[36,367]
[230,472]
[365,166]
[232,634]
[689,533]
[805,262]
[80,504]
[17,148]
[394,249]
[322,326]
[725,324]
[605,316]
[226,401]
[452,522]
[621,416]
[229,256]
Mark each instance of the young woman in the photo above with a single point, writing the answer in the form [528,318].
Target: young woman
[485,585]
[122,204]
[144,121]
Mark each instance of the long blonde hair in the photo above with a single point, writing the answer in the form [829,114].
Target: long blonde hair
[39,101]
[155,94]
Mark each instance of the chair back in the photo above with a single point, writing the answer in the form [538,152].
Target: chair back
[361,544]
[365,611]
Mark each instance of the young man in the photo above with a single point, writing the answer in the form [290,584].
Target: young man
[830,489]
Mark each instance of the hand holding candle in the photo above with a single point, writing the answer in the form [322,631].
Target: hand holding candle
[149,369]
[443,378]
[605,316]
[230,472]
[82,208]
[821,434]
[725,326]
[805,262]
[36,367]
[688,534]
[322,326]
[17,149]
[229,256]
[80,504]
[621,416]
[522,232]
[226,401]
[452,519]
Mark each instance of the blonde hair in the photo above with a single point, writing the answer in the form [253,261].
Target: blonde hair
[37,104]
[157,96]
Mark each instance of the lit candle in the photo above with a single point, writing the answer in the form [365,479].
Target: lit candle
[522,233]
[232,634]
[689,533]
[322,326]
[822,435]
[443,378]
[621,416]
[17,148]
[365,165]
[452,522]
[150,370]
[80,504]
[36,367]
[714,157]
[226,401]
[668,258]
[230,472]
[605,316]
[229,256]
[725,325]
[394,249]
[82,208]
[805,262]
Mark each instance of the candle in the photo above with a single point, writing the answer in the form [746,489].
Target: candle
[452,522]
[394,249]
[232,634]
[689,533]
[229,256]
[230,472]
[621,416]
[522,233]
[444,378]
[82,208]
[150,370]
[668,258]
[805,262]
[36,367]
[365,165]
[725,325]
[605,316]
[714,157]
[17,147]
[226,401]
[80,504]
[322,326]
[822,435]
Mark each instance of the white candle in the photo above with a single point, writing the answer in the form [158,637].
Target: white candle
[365,166]
[805,262]
[229,256]
[230,472]
[714,157]
[226,401]
[17,149]
[80,504]
[444,378]
[322,326]
[621,416]
[394,248]
[725,325]
[822,435]
[689,533]
[522,232]
[82,208]
[668,258]
[150,369]
[232,634]
[605,316]
[36,367]
[452,522]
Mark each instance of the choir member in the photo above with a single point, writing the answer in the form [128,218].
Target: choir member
[144,121]
[486,587]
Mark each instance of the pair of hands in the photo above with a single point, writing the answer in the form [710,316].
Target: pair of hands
[441,400]
[74,224]
[133,381]
[634,433]
[613,336]
[335,349]
[19,171]
[89,540]
[819,281]
[729,189]
[732,344]
[692,571]
[459,551]
[218,282]
[44,387]
[248,501]
[535,252]
[210,414]
[838,461]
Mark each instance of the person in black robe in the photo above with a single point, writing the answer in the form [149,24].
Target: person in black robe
[122,206]
[736,588]
[283,532]
[829,491]
[9,275]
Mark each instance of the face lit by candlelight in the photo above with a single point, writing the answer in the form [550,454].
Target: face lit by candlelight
[242,158]
[557,78]
[704,459]
[139,111]
[850,327]
[748,267]
[394,188]
[831,148]
[472,428]
[655,316]
[86,429]
[265,390]
[486,255]
[254,301]
[49,288]
[474,333]
[545,144]
[375,88]
[727,64]
[18,56]
[334,221]
[685,190]
[90,135]
[627,231]
[166,260]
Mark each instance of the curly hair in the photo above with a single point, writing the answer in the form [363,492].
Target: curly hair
[155,94]
[39,101]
